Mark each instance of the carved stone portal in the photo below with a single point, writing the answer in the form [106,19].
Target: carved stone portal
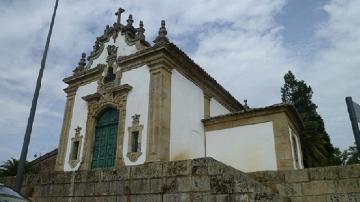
[116,98]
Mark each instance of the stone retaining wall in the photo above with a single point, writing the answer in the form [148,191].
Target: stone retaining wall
[336,183]
[190,180]
[202,179]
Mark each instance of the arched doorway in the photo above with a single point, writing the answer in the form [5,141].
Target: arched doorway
[104,151]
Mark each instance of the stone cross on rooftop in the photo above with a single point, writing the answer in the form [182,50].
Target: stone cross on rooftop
[118,13]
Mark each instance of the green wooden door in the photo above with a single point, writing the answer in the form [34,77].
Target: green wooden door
[105,139]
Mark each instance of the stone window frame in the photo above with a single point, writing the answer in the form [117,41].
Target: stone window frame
[77,138]
[136,127]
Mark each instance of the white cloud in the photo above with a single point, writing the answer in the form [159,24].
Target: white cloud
[334,72]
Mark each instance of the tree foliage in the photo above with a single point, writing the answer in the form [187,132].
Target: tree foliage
[9,167]
[350,156]
[315,142]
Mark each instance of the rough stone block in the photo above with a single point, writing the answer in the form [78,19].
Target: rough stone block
[351,171]
[215,169]
[241,197]
[156,185]
[320,198]
[263,196]
[147,170]
[140,186]
[348,185]
[290,189]
[296,176]
[274,176]
[353,197]
[176,168]
[323,173]
[32,179]
[146,198]
[80,189]
[222,184]
[222,198]
[103,198]
[200,183]
[90,189]
[39,190]
[337,197]
[121,187]
[318,187]
[170,185]
[62,177]
[92,176]
[102,188]
[244,186]
[178,197]
[184,184]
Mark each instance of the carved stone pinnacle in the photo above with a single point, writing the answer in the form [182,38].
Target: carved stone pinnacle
[162,30]
[161,38]
[130,20]
[140,31]
[82,63]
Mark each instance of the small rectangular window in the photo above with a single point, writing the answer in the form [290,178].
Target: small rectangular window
[74,151]
[135,141]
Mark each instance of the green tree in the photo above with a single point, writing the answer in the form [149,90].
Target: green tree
[9,167]
[351,156]
[315,142]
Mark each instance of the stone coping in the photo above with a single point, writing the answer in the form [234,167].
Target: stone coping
[255,112]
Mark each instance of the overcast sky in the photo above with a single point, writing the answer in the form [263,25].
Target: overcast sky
[245,45]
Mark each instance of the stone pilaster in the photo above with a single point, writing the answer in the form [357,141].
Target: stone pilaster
[207,99]
[158,140]
[283,150]
[60,160]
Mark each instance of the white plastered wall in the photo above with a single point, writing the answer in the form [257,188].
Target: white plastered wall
[187,110]
[79,117]
[216,108]
[137,103]
[296,145]
[247,148]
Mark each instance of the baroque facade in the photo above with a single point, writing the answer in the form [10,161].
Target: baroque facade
[131,102]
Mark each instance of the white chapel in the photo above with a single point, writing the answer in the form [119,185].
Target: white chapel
[131,102]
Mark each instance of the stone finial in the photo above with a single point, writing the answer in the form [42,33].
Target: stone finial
[128,28]
[130,20]
[161,38]
[140,31]
[246,107]
[118,14]
[82,63]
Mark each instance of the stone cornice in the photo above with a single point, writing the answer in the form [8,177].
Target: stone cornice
[290,111]
[86,75]
[171,56]
[114,91]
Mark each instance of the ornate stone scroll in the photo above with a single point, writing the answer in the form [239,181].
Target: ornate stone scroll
[116,98]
